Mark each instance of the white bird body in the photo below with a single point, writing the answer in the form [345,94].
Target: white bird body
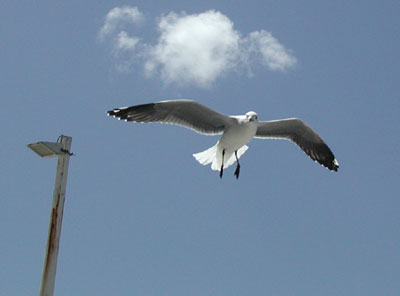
[241,132]
[236,131]
[233,139]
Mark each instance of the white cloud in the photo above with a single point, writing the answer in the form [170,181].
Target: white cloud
[125,51]
[273,54]
[118,16]
[124,42]
[194,49]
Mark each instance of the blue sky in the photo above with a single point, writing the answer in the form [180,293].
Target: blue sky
[141,216]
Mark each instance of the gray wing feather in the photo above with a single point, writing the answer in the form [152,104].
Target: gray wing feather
[303,135]
[186,113]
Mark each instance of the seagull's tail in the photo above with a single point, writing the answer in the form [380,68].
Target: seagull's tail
[213,155]
[208,156]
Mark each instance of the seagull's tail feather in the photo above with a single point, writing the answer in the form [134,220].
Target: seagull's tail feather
[213,155]
[207,156]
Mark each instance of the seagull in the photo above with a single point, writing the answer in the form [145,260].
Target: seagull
[236,130]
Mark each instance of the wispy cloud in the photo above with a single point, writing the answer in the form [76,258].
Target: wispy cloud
[273,54]
[117,17]
[123,42]
[194,49]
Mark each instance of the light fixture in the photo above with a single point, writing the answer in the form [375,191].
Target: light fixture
[47,149]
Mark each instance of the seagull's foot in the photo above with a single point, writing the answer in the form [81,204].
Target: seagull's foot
[237,171]
[222,165]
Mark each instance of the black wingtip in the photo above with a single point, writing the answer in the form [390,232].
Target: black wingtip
[334,166]
[331,164]
[323,155]
[113,112]
[110,113]
[127,113]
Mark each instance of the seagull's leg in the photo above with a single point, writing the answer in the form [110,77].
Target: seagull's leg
[222,165]
[237,171]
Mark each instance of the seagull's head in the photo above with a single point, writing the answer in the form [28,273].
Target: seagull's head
[251,116]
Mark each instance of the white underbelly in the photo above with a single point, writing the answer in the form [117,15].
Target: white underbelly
[238,135]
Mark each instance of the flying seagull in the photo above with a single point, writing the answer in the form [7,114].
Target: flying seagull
[236,131]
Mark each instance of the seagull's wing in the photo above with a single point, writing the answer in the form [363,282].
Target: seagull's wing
[186,113]
[302,134]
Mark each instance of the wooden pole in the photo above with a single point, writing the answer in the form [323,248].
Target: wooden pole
[53,242]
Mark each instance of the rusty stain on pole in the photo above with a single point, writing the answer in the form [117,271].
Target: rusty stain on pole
[51,243]
[50,263]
